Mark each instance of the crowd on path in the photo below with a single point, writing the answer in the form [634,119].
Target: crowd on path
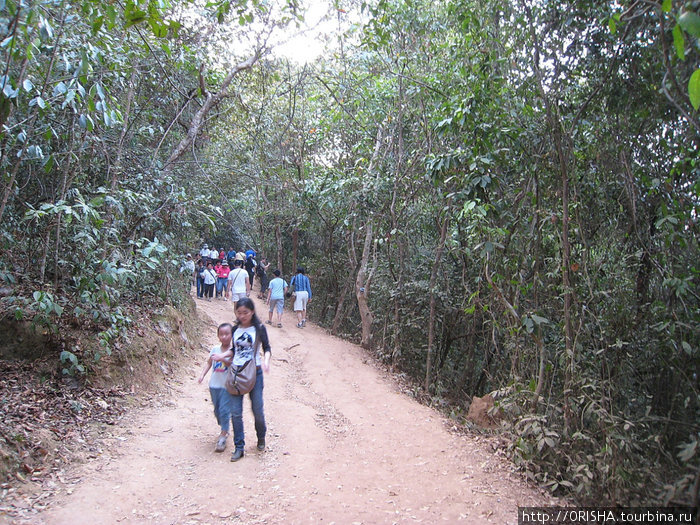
[244,347]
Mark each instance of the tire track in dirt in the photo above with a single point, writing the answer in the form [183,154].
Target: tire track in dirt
[344,446]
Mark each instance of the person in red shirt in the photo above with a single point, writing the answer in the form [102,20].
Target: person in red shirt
[222,255]
[222,271]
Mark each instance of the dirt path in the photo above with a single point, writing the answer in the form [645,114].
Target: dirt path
[344,446]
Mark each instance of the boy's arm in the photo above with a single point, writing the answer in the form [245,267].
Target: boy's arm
[226,356]
[207,366]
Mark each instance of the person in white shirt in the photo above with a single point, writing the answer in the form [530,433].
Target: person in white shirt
[209,281]
[238,283]
[188,269]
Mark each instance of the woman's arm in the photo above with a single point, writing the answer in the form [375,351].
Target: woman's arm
[266,361]
[267,350]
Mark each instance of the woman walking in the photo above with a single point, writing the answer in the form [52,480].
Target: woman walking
[248,336]
[209,281]
[222,271]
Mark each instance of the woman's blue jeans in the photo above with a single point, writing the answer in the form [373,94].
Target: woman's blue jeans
[256,400]
[220,286]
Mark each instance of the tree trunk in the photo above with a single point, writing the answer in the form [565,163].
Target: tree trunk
[566,277]
[295,248]
[535,294]
[261,248]
[278,238]
[559,136]
[362,288]
[398,297]
[211,100]
[343,294]
[431,318]
[396,350]
[45,255]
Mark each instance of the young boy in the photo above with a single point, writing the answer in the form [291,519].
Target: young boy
[219,395]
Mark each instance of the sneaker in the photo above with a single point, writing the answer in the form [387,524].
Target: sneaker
[268,321]
[221,444]
[237,454]
[279,325]
[261,444]
[303,322]
[299,325]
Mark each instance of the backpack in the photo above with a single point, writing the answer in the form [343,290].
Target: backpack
[250,263]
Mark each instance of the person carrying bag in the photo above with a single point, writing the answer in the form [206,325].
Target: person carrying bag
[245,374]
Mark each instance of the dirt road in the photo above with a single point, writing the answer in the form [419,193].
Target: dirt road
[344,446]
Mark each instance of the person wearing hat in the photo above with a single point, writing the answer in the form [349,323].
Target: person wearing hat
[209,281]
[222,271]
[187,268]
[204,253]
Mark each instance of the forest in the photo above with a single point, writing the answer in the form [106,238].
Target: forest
[490,197]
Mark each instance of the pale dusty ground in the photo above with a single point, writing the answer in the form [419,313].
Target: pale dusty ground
[344,446]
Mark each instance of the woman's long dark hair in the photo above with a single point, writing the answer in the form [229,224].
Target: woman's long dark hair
[250,305]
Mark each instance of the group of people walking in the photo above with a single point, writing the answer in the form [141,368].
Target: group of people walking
[247,338]
[227,275]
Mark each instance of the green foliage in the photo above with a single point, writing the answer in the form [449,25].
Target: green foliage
[45,309]
[694,89]
[100,228]
[71,363]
